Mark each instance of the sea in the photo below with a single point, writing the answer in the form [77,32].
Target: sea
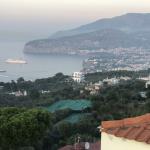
[38,65]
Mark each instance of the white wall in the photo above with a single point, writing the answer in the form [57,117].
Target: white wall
[110,142]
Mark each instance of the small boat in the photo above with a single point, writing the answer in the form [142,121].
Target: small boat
[1,71]
[16,61]
[4,76]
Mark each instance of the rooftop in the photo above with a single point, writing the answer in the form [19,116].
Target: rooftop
[137,128]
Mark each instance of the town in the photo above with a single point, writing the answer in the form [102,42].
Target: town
[132,59]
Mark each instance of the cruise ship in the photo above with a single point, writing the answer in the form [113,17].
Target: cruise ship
[16,61]
[1,71]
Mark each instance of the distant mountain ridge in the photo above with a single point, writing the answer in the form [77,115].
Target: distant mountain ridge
[130,22]
[130,30]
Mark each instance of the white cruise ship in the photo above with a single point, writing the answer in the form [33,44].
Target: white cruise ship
[1,71]
[16,61]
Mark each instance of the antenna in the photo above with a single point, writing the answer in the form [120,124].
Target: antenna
[79,139]
[75,144]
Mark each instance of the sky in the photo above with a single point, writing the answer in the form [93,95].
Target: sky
[40,18]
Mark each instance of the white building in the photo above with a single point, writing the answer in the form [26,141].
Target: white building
[78,77]
[125,78]
[19,93]
[143,94]
[126,134]
[144,78]
[1,87]
[112,81]
[147,84]
[94,88]
[45,91]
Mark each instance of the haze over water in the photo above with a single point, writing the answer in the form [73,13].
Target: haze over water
[38,66]
[25,20]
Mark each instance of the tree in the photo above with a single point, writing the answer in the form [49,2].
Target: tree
[34,94]
[20,80]
[65,129]
[13,86]
[148,94]
[22,127]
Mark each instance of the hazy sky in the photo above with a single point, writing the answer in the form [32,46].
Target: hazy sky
[40,18]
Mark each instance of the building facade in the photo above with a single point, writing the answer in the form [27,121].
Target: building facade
[78,77]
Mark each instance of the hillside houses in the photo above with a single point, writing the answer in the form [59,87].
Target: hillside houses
[94,88]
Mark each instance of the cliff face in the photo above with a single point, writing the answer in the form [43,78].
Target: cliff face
[131,30]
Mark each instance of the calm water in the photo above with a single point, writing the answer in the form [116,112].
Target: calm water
[38,66]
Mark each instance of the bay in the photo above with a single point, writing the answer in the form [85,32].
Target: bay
[38,65]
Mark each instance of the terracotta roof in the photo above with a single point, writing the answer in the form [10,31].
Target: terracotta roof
[137,128]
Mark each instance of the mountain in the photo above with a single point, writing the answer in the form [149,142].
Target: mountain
[131,22]
[130,30]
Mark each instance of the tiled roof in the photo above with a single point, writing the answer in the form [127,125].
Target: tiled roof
[137,128]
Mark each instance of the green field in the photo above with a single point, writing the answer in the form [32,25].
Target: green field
[71,104]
